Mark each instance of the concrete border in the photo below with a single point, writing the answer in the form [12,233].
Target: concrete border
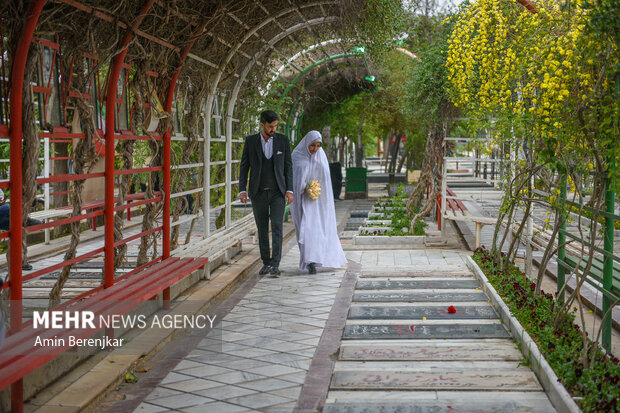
[557,393]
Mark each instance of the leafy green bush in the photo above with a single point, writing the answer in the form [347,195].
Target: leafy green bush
[598,388]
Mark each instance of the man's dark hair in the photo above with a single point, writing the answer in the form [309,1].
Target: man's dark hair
[268,116]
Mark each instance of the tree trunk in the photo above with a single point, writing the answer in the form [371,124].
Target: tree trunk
[386,149]
[430,176]
[359,150]
[84,157]
[31,146]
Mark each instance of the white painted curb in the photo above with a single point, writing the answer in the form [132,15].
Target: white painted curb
[559,396]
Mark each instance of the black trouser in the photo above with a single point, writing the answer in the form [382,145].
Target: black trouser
[265,205]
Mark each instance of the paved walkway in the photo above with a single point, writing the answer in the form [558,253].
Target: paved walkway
[259,356]
[376,336]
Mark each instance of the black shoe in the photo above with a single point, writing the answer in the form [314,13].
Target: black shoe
[311,268]
[265,270]
[26,267]
[275,271]
[32,221]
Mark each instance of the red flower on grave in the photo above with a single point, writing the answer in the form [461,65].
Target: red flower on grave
[451,309]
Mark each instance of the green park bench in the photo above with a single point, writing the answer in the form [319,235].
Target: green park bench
[594,276]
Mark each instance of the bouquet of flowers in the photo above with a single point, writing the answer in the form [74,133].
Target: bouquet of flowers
[313,189]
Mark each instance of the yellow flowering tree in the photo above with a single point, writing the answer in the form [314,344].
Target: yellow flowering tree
[545,84]
[542,77]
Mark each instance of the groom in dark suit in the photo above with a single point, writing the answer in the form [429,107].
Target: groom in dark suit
[267,157]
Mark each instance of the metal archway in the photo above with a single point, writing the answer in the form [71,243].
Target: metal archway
[233,100]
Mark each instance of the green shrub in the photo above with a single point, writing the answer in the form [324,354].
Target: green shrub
[598,388]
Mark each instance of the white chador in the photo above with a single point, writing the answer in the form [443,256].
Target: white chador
[315,220]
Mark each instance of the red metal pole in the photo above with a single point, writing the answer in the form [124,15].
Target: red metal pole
[438,211]
[166,157]
[115,71]
[15,169]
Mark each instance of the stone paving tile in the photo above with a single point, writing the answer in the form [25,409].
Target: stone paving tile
[311,341]
[273,370]
[246,363]
[290,392]
[223,347]
[298,378]
[150,408]
[207,371]
[237,377]
[317,332]
[299,364]
[297,337]
[259,400]
[281,357]
[281,408]
[211,357]
[226,392]
[217,407]
[268,384]
[187,364]
[264,342]
[308,352]
[162,392]
[179,401]
[253,352]
[287,346]
[261,331]
[209,341]
[226,336]
[173,377]
[193,385]
[316,323]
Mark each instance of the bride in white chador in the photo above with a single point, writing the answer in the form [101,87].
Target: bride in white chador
[315,219]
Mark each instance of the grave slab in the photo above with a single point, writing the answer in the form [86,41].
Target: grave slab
[419,271]
[415,284]
[514,380]
[423,407]
[417,296]
[504,350]
[424,331]
[434,312]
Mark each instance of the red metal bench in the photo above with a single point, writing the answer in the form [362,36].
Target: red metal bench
[19,356]
[454,205]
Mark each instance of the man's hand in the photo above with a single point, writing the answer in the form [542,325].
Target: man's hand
[289,198]
[243,197]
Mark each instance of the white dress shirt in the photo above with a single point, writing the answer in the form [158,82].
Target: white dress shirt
[267,146]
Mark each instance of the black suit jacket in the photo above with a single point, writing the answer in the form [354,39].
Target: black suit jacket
[252,161]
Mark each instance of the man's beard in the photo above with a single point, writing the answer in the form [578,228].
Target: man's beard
[270,134]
